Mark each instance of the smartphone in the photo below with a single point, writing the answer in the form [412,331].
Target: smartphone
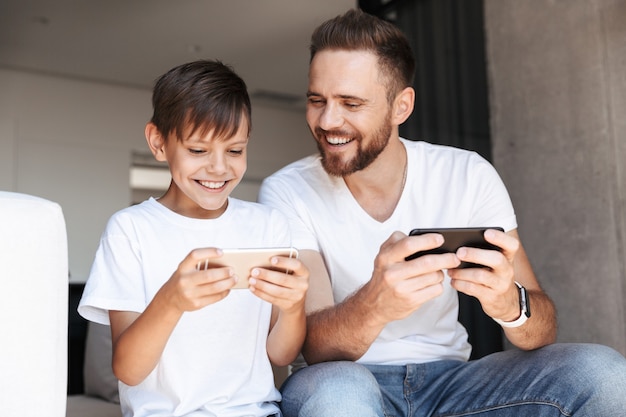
[244,260]
[454,238]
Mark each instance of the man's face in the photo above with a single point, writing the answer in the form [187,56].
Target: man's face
[347,109]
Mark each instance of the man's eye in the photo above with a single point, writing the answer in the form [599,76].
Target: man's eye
[315,101]
[352,105]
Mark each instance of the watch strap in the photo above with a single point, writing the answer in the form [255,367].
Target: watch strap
[524,310]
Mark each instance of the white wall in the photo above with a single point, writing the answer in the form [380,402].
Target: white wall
[71,141]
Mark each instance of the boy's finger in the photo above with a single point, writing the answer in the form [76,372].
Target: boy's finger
[199,258]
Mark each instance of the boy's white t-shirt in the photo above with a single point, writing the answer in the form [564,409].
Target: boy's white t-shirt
[215,362]
[445,187]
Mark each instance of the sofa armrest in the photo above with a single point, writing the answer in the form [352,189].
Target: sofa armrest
[33,306]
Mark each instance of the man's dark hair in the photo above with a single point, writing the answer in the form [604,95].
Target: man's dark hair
[356,30]
[206,95]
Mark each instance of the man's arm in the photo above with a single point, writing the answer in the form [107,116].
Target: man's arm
[396,289]
[496,290]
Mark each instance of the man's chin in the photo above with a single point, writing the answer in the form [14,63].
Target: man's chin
[336,168]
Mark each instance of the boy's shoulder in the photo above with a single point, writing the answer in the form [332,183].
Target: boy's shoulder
[139,209]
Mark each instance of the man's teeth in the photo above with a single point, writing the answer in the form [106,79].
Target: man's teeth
[211,184]
[338,141]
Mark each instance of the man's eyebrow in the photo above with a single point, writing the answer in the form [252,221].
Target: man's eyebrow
[341,96]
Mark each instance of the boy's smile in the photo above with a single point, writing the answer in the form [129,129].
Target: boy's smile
[204,170]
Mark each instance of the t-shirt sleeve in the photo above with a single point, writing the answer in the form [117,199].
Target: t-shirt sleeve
[277,194]
[115,281]
[493,206]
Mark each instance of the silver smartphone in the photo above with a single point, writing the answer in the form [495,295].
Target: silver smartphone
[243,260]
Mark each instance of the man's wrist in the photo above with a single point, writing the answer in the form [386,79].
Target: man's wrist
[524,309]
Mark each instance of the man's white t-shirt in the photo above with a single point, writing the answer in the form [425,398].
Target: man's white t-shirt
[215,362]
[445,187]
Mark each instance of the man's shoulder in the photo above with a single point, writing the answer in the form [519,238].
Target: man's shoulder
[430,148]
[302,169]
[428,154]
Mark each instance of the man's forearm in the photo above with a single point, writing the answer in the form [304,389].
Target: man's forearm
[342,332]
[540,329]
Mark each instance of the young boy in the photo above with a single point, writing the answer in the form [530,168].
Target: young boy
[184,343]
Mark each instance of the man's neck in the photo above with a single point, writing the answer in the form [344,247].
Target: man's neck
[378,187]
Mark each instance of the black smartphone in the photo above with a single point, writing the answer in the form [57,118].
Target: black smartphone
[454,238]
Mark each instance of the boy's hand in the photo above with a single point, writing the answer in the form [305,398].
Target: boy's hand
[285,291]
[191,288]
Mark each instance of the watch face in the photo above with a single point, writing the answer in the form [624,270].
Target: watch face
[523,300]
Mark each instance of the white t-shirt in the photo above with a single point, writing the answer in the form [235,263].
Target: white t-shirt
[445,187]
[215,362]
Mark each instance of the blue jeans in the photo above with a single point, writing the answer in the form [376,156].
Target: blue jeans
[582,380]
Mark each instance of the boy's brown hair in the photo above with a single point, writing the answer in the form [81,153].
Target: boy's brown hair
[206,95]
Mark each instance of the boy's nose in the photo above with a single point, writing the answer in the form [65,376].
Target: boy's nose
[216,163]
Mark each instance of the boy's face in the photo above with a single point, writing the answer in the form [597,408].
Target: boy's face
[204,170]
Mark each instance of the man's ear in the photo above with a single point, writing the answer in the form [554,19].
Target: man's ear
[403,105]
[156,142]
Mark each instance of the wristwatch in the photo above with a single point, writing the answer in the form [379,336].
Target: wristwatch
[524,305]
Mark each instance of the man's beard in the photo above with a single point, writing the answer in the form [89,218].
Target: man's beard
[333,163]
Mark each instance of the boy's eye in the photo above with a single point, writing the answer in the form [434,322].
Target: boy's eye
[196,151]
[236,151]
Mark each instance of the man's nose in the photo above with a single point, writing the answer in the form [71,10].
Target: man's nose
[331,117]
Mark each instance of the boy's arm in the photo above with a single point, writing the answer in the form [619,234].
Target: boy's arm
[287,295]
[139,339]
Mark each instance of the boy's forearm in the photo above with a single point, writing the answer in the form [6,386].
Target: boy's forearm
[138,349]
[286,337]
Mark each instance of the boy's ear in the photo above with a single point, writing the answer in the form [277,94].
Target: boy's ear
[156,142]
[403,105]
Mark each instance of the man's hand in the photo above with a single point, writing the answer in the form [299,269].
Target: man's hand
[399,287]
[494,284]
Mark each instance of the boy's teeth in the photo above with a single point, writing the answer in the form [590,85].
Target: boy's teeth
[211,184]
[337,141]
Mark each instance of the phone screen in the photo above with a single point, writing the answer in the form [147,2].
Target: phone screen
[454,238]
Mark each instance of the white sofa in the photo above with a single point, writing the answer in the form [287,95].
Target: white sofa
[34,318]
[99,397]
[33,306]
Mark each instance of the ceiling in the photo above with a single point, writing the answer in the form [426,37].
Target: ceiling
[131,42]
